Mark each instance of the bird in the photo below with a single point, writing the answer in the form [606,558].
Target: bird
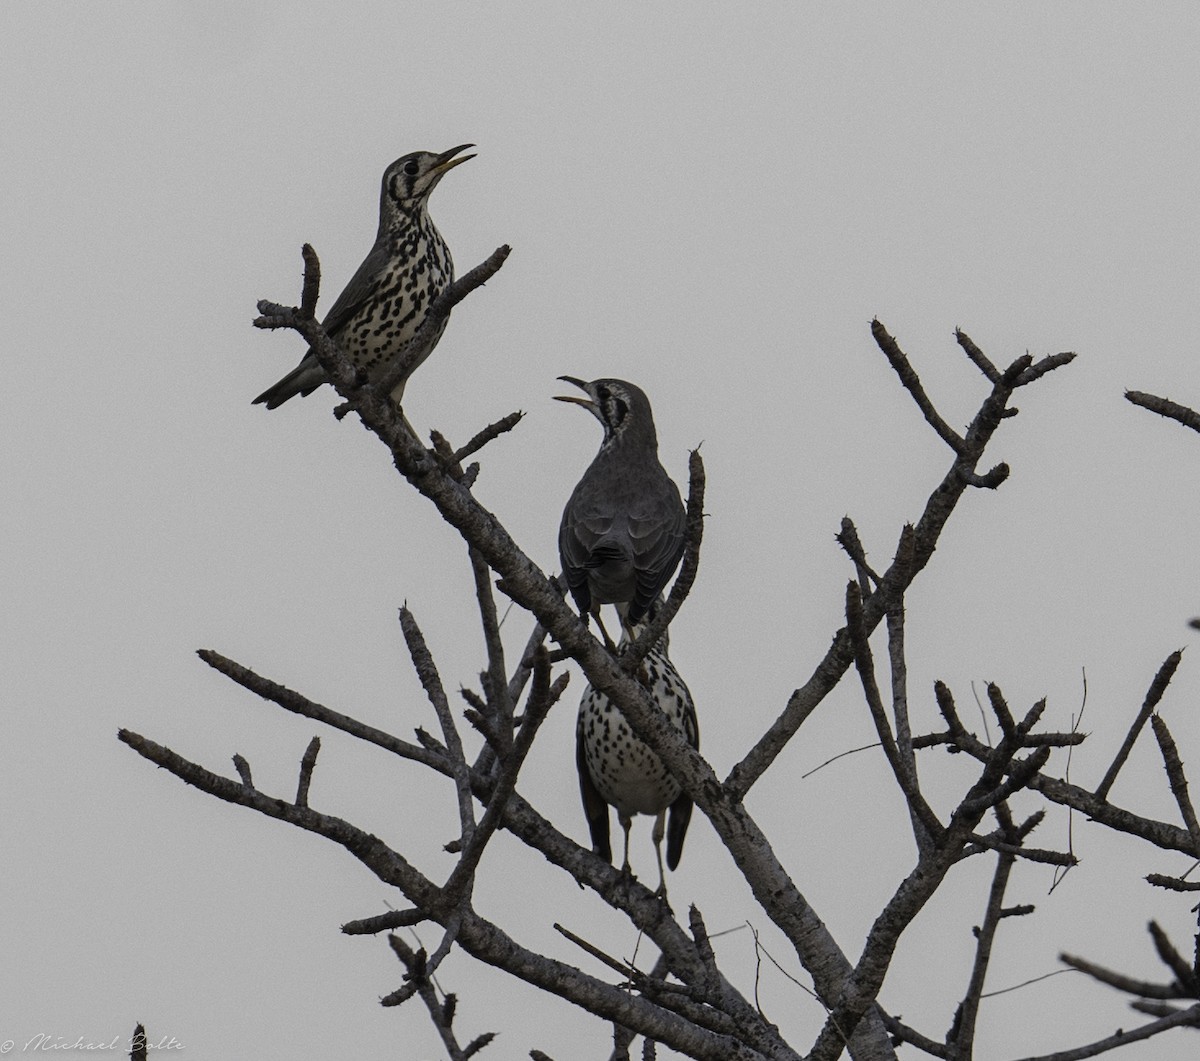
[622,531]
[387,299]
[616,768]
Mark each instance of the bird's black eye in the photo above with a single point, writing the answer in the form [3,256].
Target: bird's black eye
[411,167]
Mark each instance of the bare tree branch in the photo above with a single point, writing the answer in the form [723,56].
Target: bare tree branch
[1157,687]
[307,764]
[698,1012]
[962,1032]
[1175,775]
[1180,1019]
[1165,407]
[912,383]
[898,577]
[925,822]
[1185,975]
[301,705]
[982,362]
[1130,985]
[478,937]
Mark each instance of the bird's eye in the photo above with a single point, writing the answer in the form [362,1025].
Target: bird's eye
[411,167]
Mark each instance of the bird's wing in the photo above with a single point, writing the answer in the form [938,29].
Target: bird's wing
[362,288]
[581,546]
[658,537]
[594,807]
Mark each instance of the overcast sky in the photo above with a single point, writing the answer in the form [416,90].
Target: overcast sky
[708,200]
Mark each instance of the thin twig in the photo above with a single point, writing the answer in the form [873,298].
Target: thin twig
[243,769]
[1128,984]
[904,745]
[293,701]
[1174,884]
[1183,1018]
[1155,693]
[922,813]
[370,926]
[488,434]
[980,359]
[912,383]
[1165,407]
[962,1035]
[543,696]
[629,972]
[848,539]
[1176,777]
[307,764]
[429,965]
[904,1034]
[419,974]
[1185,975]
[432,684]
[1032,854]
[310,290]
[840,755]
[1049,363]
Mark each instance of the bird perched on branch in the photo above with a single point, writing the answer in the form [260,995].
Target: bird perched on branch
[622,531]
[616,768]
[387,299]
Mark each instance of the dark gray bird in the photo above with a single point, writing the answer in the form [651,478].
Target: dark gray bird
[387,299]
[622,532]
[617,769]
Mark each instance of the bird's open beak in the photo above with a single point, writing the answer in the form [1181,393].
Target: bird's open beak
[446,160]
[587,402]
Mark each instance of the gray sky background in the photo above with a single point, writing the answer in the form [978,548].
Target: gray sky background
[708,200]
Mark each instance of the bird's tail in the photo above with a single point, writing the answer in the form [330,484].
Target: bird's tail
[305,378]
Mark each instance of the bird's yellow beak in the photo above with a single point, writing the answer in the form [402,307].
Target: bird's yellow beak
[447,161]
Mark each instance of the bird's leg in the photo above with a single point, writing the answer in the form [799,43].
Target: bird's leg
[626,824]
[660,824]
[608,641]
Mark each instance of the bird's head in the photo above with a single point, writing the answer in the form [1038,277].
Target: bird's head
[408,182]
[619,406]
